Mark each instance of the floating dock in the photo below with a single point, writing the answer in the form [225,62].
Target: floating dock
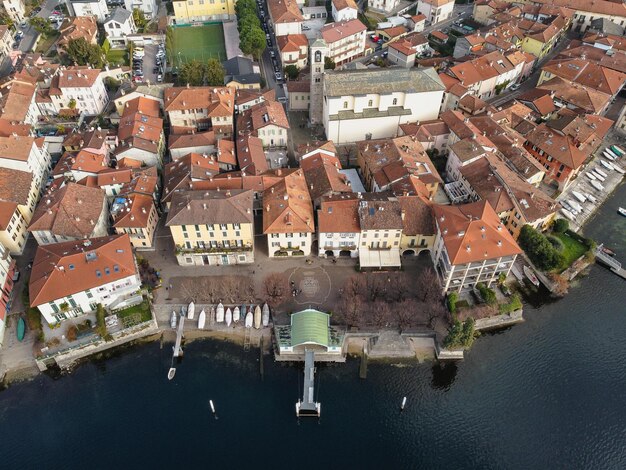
[610,262]
[179,336]
[308,406]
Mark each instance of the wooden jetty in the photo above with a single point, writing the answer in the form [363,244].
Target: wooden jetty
[308,406]
[610,262]
[179,337]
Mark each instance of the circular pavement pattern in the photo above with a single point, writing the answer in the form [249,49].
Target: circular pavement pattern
[314,284]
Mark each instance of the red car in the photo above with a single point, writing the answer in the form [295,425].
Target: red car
[374,38]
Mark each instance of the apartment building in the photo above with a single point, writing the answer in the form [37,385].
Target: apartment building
[191,11]
[345,40]
[136,215]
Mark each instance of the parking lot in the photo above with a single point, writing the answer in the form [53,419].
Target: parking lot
[151,71]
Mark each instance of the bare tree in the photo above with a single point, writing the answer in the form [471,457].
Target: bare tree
[428,288]
[351,311]
[397,288]
[276,287]
[354,286]
[380,314]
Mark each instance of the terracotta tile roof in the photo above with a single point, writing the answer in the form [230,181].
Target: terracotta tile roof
[140,130]
[113,176]
[417,215]
[135,214]
[472,104]
[143,182]
[418,18]
[339,213]
[142,105]
[284,11]
[77,27]
[244,95]
[16,147]
[15,185]
[322,175]
[94,139]
[560,147]
[7,209]
[75,77]
[439,35]
[394,31]
[606,7]
[588,74]
[83,161]
[379,212]
[343,4]
[480,177]
[250,155]
[71,211]
[218,101]
[587,99]
[540,100]
[226,152]
[408,44]
[292,42]
[299,86]
[63,269]
[260,116]
[195,139]
[180,173]
[211,207]
[8,128]
[311,147]
[473,233]
[287,205]
[15,100]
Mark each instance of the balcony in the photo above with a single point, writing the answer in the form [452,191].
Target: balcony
[213,250]
[342,248]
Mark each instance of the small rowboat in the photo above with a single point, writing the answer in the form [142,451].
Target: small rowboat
[609,155]
[598,175]
[575,205]
[568,214]
[21,329]
[191,310]
[590,175]
[608,251]
[236,315]
[257,317]
[171,373]
[617,150]
[597,185]
[173,320]
[591,198]
[619,170]
[531,276]
[622,211]
[581,197]
[219,313]
[249,319]
[201,319]
[606,165]
[229,317]
[601,172]
[266,315]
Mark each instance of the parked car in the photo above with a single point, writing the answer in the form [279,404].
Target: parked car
[19,35]
[16,45]
[374,38]
[159,78]
[278,76]
[272,54]
[514,87]
[305,28]
[155,70]
[23,25]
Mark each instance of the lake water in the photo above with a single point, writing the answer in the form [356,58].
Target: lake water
[549,393]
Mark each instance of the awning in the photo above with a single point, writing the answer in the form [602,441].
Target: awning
[379,258]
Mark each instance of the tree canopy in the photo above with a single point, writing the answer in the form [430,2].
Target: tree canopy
[539,249]
[42,25]
[192,73]
[215,73]
[251,35]
[139,18]
[83,53]
[292,71]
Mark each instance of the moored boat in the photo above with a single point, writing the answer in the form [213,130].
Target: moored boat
[590,175]
[236,315]
[579,196]
[608,251]
[568,214]
[617,168]
[171,373]
[257,317]
[606,165]
[212,316]
[598,176]
[617,150]
[265,315]
[597,185]
[601,172]
[622,211]
[229,316]
[21,329]
[610,154]
[191,310]
[173,319]
[531,276]
[249,319]
[201,319]
[591,197]
[219,313]
[575,205]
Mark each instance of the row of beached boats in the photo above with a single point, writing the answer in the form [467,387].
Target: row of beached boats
[253,316]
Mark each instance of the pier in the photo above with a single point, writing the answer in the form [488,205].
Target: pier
[610,262]
[307,406]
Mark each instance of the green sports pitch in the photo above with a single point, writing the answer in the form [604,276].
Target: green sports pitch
[197,42]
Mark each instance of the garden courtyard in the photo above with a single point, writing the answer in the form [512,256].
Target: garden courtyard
[199,43]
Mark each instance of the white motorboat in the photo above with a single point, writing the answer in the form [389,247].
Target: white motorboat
[171,373]
[229,316]
[606,165]
[236,315]
[257,317]
[201,319]
[581,197]
[598,176]
[219,313]
[608,156]
[173,319]
[568,214]
[575,205]
[611,153]
[619,149]
[617,168]
[590,175]
[531,276]
[597,185]
[191,310]
[591,197]
[600,172]
[622,211]
[265,317]
[249,319]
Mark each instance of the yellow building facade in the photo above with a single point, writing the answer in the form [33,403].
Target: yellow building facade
[203,10]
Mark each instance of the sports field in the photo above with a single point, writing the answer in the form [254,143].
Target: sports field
[197,42]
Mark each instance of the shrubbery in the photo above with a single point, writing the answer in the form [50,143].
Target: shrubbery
[488,295]
[560,226]
[515,303]
[539,249]
[461,334]
[453,297]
